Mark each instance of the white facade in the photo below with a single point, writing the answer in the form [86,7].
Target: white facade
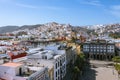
[1,61]
[9,72]
[52,58]
[41,74]
[59,67]
[16,71]
[99,49]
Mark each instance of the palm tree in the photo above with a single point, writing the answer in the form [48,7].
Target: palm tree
[80,60]
[78,66]
[76,72]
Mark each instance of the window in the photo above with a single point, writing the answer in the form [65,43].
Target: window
[64,58]
[91,49]
[97,46]
[45,57]
[60,63]
[87,49]
[104,50]
[112,50]
[97,50]
[94,50]
[58,78]
[108,46]
[112,46]
[104,47]
[85,46]
[56,65]
[64,66]
[101,46]
[56,73]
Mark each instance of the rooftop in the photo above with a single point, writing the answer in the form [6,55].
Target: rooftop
[100,41]
[34,68]
[11,64]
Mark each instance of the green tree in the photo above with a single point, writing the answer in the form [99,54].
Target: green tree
[114,35]
[76,73]
[80,61]
[116,59]
[117,67]
[77,68]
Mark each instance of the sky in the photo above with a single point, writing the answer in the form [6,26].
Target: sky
[74,12]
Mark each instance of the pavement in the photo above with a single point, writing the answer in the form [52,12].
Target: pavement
[99,70]
[104,73]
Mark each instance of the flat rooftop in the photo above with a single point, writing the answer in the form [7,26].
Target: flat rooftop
[11,64]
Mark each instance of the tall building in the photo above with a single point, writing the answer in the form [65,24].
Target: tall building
[99,49]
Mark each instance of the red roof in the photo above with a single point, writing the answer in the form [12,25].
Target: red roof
[12,56]
[19,56]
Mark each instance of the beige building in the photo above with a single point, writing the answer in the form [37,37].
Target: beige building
[19,71]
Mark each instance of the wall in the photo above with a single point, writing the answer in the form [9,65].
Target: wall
[1,61]
[17,70]
[7,73]
[19,78]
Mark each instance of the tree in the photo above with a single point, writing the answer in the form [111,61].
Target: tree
[76,72]
[116,59]
[117,67]
[80,60]
[114,35]
[77,67]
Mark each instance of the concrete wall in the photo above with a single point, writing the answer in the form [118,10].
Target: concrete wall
[17,72]
[19,78]
[1,61]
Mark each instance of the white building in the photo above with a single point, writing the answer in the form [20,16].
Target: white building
[52,58]
[18,71]
[99,49]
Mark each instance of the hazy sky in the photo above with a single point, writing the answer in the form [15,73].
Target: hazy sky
[75,12]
